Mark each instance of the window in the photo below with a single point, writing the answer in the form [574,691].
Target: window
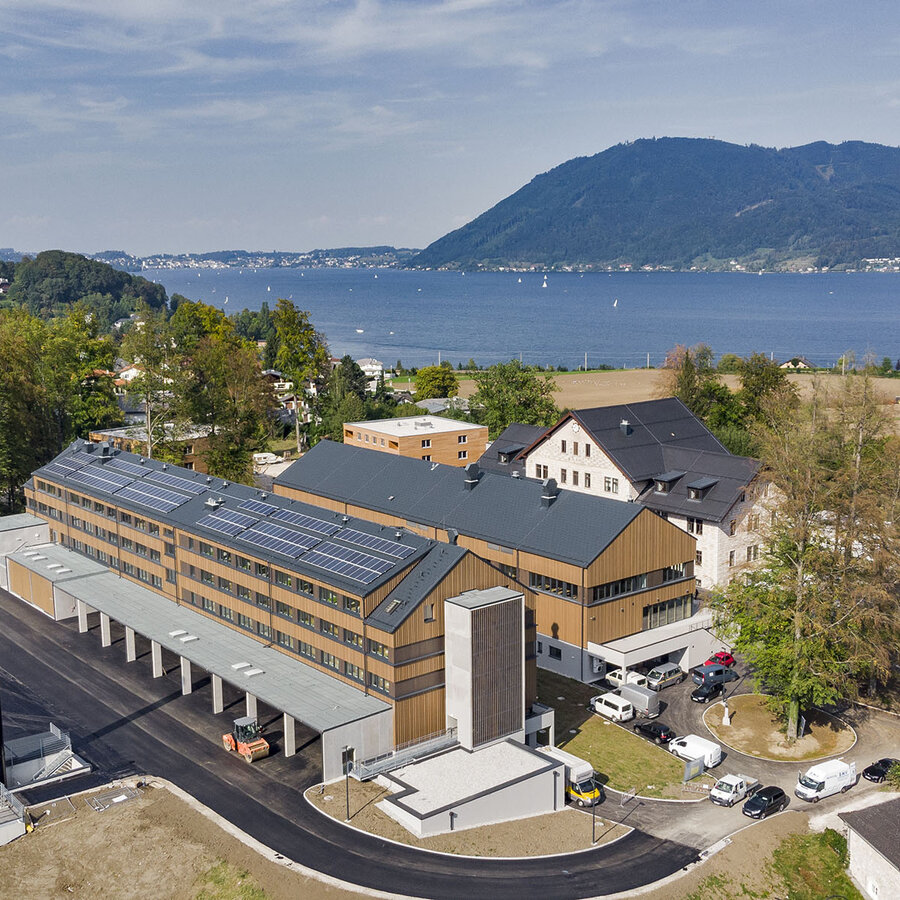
[244,621]
[282,578]
[662,487]
[575,448]
[541,472]
[331,661]
[610,485]
[673,573]
[742,497]
[244,593]
[224,584]
[354,639]
[427,457]
[753,522]
[352,671]
[330,597]
[462,439]
[508,571]
[328,628]
[732,528]
[227,613]
[462,454]
[377,649]
[587,479]
[667,612]
[574,479]
[206,549]
[242,563]
[283,609]
[262,570]
[351,604]
[305,618]
[306,649]
[303,586]
[563,476]
[730,558]
[695,526]
[554,652]
[552,585]
[698,558]
[170,576]
[426,443]
[540,646]
[210,606]
[263,601]
[285,640]
[379,683]
[170,549]
[429,612]
[207,577]
[753,553]
[223,556]
[264,630]
[562,446]
[587,449]
[621,586]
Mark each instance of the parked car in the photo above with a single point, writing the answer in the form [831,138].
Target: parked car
[723,658]
[617,677]
[644,701]
[655,731]
[692,746]
[878,770]
[764,802]
[663,675]
[612,706]
[824,779]
[707,691]
[715,672]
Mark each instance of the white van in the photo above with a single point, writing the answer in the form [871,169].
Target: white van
[692,746]
[825,779]
[613,707]
[618,677]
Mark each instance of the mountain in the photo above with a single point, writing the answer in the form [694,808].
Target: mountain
[687,203]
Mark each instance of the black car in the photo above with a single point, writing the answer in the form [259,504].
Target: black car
[878,770]
[655,731]
[765,801]
[707,692]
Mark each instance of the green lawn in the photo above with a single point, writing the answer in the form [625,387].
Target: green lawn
[620,758]
[226,882]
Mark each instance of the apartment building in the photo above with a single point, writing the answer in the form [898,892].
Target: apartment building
[430,438]
[601,571]
[659,454]
[358,602]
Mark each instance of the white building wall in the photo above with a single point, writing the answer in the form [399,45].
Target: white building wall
[598,464]
[876,877]
[17,538]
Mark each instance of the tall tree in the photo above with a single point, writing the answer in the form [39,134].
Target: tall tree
[510,392]
[302,355]
[821,613]
[435,381]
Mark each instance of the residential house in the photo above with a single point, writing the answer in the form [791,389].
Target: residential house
[873,842]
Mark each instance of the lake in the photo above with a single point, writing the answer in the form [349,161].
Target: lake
[616,319]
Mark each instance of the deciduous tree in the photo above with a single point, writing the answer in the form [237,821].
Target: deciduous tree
[510,392]
[436,381]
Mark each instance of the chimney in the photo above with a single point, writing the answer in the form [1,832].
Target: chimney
[104,448]
[550,493]
[452,536]
[625,425]
[473,473]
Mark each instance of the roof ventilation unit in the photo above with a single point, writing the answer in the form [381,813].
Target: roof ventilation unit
[452,536]
[473,473]
[550,493]
[625,425]
[213,502]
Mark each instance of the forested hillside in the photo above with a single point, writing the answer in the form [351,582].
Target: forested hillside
[683,203]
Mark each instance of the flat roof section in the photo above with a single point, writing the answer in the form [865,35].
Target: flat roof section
[21,520]
[414,426]
[55,563]
[289,685]
[455,776]
[476,599]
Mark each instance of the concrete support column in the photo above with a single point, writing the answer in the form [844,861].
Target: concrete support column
[251,704]
[105,636]
[290,735]
[156,657]
[130,650]
[187,684]
[218,704]
[82,617]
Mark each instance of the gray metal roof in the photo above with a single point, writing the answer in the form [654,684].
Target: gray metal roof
[402,601]
[878,826]
[288,684]
[510,443]
[230,497]
[575,528]
[477,599]
[664,440]
[55,563]
[20,520]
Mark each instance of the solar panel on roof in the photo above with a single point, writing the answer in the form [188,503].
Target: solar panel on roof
[372,542]
[71,463]
[100,478]
[257,506]
[152,497]
[270,536]
[236,518]
[222,525]
[183,484]
[340,567]
[123,465]
[320,526]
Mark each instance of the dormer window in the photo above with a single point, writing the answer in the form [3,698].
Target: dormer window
[698,489]
[665,482]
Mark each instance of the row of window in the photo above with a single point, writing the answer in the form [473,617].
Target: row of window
[289,642]
[564,444]
[615,588]
[752,555]
[667,612]
[552,585]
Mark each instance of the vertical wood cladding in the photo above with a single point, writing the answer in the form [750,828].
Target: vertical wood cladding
[419,715]
[497,672]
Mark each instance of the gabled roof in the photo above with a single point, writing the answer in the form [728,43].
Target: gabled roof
[511,442]
[663,440]
[877,825]
[575,528]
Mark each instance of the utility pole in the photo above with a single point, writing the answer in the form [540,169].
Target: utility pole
[585,362]
[347,779]
[648,360]
[2,752]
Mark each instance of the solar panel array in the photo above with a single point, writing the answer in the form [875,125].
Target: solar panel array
[320,526]
[270,536]
[257,506]
[152,497]
[65,466]
[183,484]
[373,542]
[351,564]
[121,465]
[101,479]
[227,521]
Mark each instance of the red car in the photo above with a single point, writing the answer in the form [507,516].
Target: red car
[722,658]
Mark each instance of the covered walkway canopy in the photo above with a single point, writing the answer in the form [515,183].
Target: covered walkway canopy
[344,715]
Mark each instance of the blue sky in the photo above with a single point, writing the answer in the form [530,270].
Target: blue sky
[181,125]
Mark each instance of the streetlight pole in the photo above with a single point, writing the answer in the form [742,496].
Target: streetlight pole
[594,821]
[2,750]
[347,779]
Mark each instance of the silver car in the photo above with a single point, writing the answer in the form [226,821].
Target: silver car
[664,675]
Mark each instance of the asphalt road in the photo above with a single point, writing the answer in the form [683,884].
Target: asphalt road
[125,722]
